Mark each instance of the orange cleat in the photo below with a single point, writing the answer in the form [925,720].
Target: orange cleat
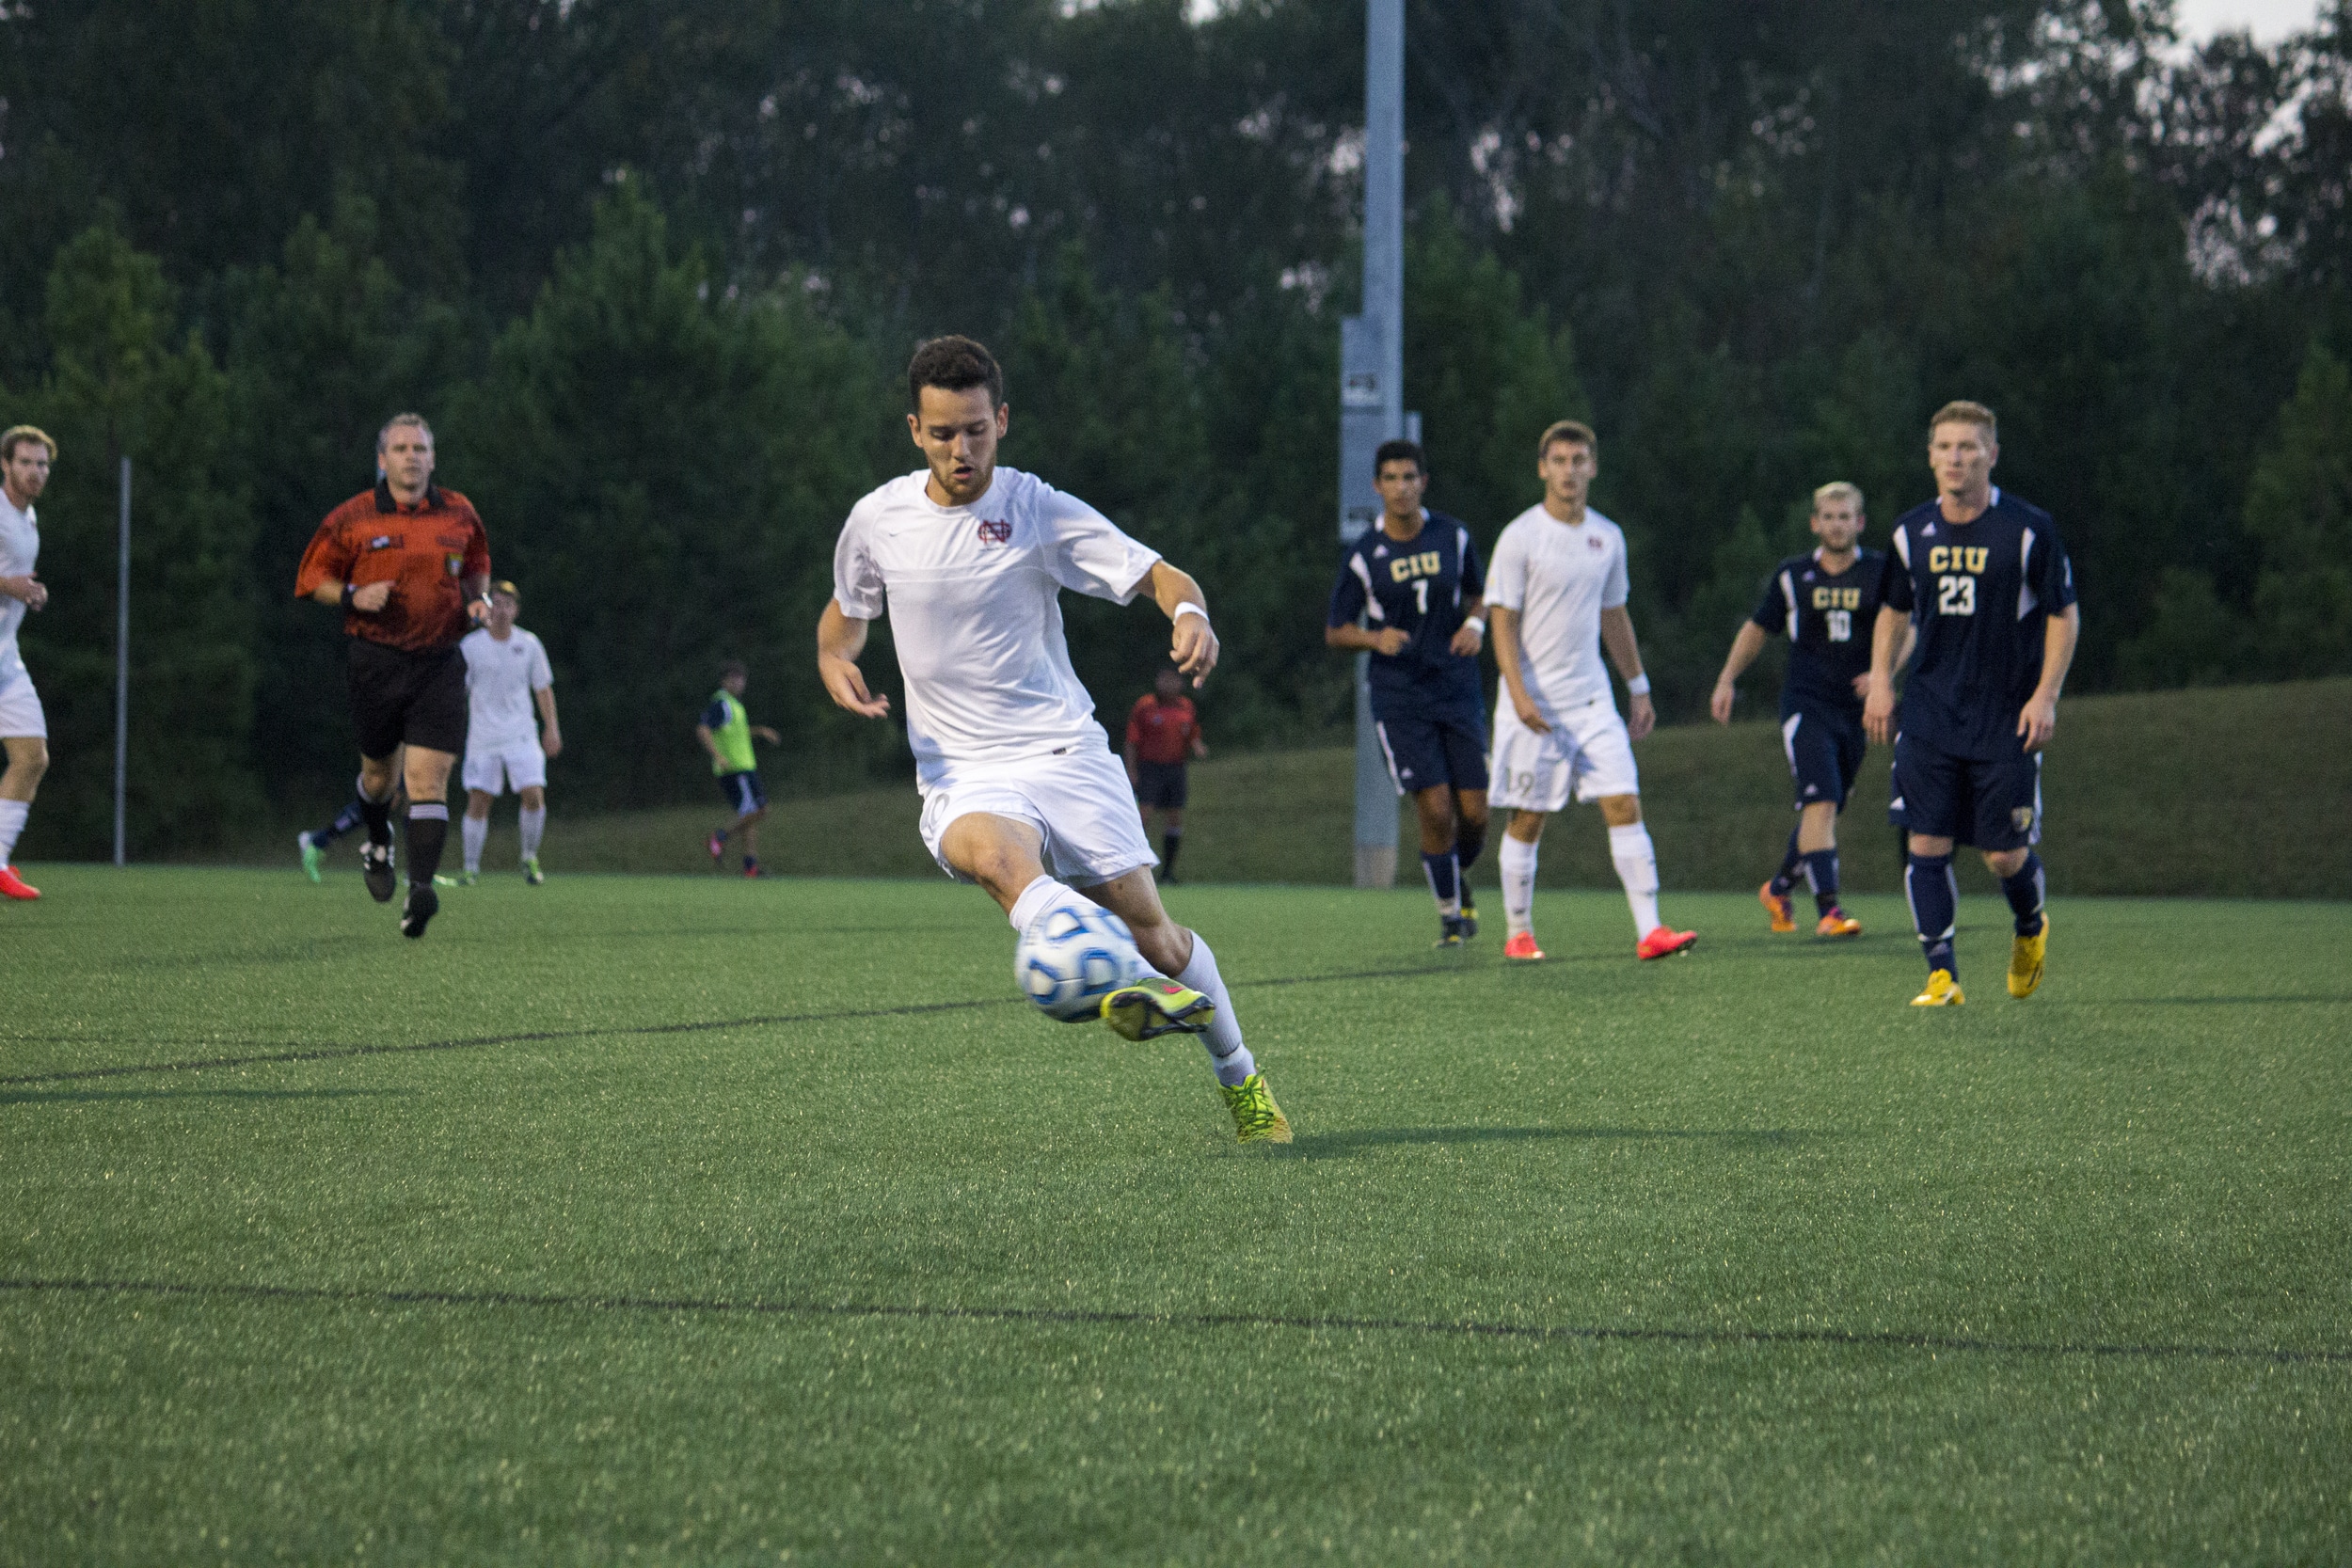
[1784,911]
[1664,942]
[1838,923]
[1522,948]
[15,886]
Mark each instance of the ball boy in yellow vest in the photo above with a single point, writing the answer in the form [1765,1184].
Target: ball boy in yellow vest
[726,732]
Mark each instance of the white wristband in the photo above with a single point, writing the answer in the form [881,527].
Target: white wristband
[1638,685]
[1188,607]
[1476,624]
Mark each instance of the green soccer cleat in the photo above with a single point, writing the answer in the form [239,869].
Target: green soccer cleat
[531,873]
[312,856]
[1256,1119]
[442,880]
[1156,1005]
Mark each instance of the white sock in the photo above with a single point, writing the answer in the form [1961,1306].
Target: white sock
[13,815]
[534,826]
[1230,1059]
[1636,861]
[1034,898]
[476,832]
[1516,859]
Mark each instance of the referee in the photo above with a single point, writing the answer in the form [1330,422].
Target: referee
[407,563]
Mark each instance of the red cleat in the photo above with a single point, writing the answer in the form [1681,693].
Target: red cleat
[1522,948]
[1784,912]
[1663,942]
[15,886]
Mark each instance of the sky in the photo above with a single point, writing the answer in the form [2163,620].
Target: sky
[2268,20]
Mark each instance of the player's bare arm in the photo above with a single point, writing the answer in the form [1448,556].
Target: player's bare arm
[1617,635]
[1192,643]
[2037,720]
[1466,637]
[1744,649]
[840,639]
[27,589]
[1878,703]
[1506,629]
[1388,640]
[551,732]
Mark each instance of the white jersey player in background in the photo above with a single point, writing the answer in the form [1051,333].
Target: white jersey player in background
[1555,595]
[26,454]
[1021,792]
[510,693]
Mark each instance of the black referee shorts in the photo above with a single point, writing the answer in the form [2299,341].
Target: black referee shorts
[398,696]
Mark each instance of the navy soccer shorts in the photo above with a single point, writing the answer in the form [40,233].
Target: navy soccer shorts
[743,792]
[1428,750]
[1994,804]
[1824,752]
[1161,785]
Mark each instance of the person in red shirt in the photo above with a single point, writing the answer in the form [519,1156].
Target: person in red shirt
[409,564]
[1163,735]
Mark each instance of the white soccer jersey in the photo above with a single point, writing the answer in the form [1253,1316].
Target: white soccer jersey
[973,595]
[1559,577]
[500,679]
[20,548]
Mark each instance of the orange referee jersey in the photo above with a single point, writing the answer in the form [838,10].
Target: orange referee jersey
[426,549]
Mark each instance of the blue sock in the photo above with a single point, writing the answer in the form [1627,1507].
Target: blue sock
[1935,907]
[1821,869]
[1445,884]
[2024,893]
[1785,878]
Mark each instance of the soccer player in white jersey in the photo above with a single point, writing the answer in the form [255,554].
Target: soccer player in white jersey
[26,454]
[1555,595]
[1021,791]
[510,694]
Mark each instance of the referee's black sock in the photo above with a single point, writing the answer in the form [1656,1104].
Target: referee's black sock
[377,815]
[428,830]
[1170,841]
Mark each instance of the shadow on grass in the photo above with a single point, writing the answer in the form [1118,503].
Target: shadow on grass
[2214,1002]
[73,1097]
[1324,1145]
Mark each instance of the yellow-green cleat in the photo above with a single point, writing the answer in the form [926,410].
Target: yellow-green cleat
[1943,991]
[1156,1005]
[2025,959]
[1256,1119]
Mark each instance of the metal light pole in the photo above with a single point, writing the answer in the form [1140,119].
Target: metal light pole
[1372,391]
[123,657]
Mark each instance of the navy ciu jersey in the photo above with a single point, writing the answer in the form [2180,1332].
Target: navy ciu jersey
[1420,584]
[1828,618]
[1981,594]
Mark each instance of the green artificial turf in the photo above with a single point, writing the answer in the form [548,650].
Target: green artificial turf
[676,1220]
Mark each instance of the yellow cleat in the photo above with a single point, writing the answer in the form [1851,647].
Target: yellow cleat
[1943,991]
[1156,1005]
[1256,1119]
[2025,959]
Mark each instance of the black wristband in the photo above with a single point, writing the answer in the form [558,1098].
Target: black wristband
[349,589]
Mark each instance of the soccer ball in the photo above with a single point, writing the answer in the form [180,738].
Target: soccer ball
[1074,955]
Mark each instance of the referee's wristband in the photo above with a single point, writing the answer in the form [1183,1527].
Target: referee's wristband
[1638,685]
[1476,624]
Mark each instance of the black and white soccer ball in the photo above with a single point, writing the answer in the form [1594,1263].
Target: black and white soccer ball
[1073,955]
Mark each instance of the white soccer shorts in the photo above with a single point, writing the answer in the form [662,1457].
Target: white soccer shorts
[1078,800]
[1587,753]
[518,765]
[19,705]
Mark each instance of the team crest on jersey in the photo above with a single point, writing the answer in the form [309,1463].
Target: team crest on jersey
[456,564]
[2021,820]
[996,533]
[1594,543]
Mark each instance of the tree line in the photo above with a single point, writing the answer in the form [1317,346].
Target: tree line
[653,271]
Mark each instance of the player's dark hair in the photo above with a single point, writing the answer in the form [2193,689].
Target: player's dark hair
[1399,451]
[953,364]
[735,667]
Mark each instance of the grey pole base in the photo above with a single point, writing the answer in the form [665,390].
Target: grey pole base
[1376,865]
